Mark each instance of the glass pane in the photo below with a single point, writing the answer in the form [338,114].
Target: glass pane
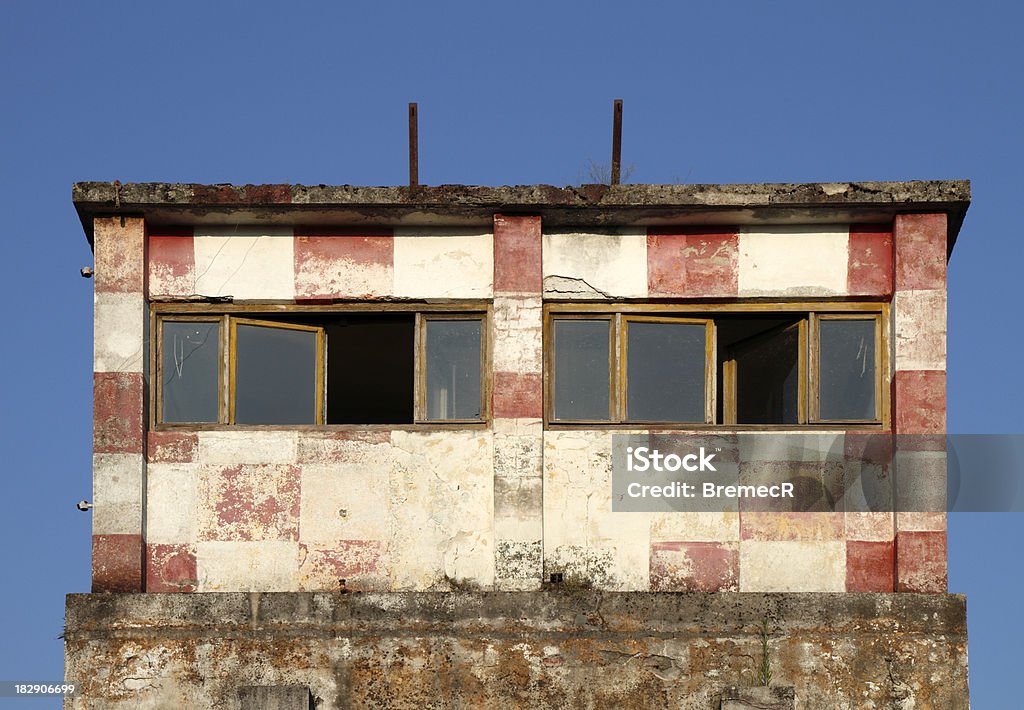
[191,372]
[847,364]
[665,372]
[275,375]
[768,378]
[453,369]
[581,369]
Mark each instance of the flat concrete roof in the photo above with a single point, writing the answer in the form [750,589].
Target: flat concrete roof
[592,206]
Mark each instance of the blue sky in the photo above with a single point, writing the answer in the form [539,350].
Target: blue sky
[509,93]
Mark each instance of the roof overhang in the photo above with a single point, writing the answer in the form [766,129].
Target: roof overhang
[590,206]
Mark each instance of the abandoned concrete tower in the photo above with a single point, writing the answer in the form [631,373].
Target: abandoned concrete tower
[356,447]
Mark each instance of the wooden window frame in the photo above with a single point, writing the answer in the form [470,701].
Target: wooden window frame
[710,369]
[618,382]
[228,314]
[814,378]
[420,368]
[812,313]
[156,385]
[549,370]
[320,377]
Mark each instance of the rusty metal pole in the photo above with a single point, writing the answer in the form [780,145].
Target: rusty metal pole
[414,148]
[617,142]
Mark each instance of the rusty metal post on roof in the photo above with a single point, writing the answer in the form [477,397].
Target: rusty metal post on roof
[617,141]
[414,148]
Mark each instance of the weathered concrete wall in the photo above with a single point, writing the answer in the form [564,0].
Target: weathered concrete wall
[120,333]
[517,650]
[289,510]
[298,510]
[737,549]
[287,264]
[517,401]
[817,261]
[919,383]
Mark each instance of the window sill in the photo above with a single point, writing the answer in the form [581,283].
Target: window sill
[421,426]
[714,428]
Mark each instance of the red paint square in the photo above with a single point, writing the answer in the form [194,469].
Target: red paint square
[921,562]
[117,412]
[517,254]
[920,241]
[171,447]
[171,568]
[517,395]
[699,262]
[694,567]
[250,502]
[117,563]
[869,271]
[336,262]
[869,566]
[119,254]
[172,261]
[920,402]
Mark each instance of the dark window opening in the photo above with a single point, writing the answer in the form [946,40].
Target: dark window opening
[759,370]
[370,368]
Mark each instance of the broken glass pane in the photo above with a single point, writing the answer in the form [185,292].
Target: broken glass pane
[665,372]
[190,368]
[581,370]
[847,365]
[275,375]
[453,369]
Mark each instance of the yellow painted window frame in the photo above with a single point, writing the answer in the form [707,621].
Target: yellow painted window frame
[158,394]
[549,369]
[420,367]
[321,353]
[812,312]
[618,358]
[226,313]
[710,370]
[880,362]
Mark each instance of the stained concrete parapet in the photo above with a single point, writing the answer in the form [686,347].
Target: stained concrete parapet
[517,649]
[571,206]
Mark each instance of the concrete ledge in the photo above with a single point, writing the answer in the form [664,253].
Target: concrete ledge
[515,649]
[584,205]
[510,613]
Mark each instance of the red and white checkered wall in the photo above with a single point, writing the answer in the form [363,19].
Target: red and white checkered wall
[284,510]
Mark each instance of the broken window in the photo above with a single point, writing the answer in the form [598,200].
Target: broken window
[761,370]
[190,382]
[728,367]
[312,368]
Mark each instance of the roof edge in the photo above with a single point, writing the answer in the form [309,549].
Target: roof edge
[629,202]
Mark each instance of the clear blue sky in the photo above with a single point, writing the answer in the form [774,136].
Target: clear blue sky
[509,93]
